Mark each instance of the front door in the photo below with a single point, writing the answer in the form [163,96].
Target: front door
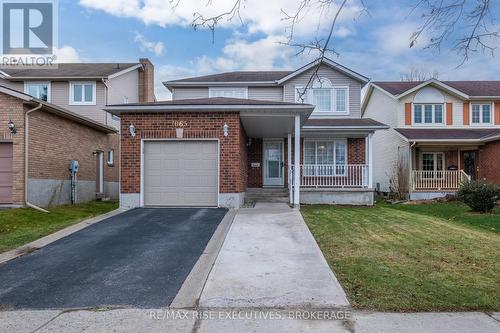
[470,166]
[273,163]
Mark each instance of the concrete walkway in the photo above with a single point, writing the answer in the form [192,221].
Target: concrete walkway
[270,259]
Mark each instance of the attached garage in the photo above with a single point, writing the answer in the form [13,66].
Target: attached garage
[6,173]
[181,173]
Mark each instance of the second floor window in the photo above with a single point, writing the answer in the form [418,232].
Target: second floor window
[82,93]
[228,92]
[333,99]
[481,114]
[40,90]
[428,114]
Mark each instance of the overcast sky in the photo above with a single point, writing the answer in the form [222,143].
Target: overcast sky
[374,44]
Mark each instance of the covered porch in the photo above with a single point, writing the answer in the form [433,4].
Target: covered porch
[441,160]
[334,159]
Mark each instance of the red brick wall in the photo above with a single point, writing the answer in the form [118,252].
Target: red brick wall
[356,151]
[489,162]
[255,155]
[55,141]
[12,108]
[198,125]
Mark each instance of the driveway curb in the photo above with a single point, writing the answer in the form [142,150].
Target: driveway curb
[46,240]
[191,289]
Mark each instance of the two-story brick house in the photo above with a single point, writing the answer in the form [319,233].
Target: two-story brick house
[442,133]
[224,135]
[51,116]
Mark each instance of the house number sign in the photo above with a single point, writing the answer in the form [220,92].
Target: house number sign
[180,123]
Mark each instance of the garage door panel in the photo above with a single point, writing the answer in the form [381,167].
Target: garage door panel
[6,179]
[181,173]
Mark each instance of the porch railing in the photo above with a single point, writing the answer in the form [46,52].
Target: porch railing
[446,180]
[331,175]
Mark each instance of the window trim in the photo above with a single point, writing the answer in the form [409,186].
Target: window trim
[481,123]
[315,140]
[110,161]
[308,97]
[423,123]
[212,89]
[49,88]
[71,92]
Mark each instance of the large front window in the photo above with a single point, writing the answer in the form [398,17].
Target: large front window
[481,114]
[428,114]
[325,157]
[40,90]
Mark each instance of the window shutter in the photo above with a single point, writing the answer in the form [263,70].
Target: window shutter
[408,114]
[497,113]
[466,114]
[449,113]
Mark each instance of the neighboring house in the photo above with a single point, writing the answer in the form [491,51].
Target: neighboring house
[227,134]
[67,123]
[442,133]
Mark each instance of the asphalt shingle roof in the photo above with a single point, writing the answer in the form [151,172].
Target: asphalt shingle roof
[240,76]
[446,134]
[212,101]
[471,88]
[70,70]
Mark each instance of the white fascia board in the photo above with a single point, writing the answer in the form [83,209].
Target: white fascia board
[125,71]
[437,83]
[328,62]
[217,84]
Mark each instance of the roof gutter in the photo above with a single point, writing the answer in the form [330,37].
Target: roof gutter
[26,157]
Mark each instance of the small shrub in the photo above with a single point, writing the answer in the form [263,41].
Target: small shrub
[479,196]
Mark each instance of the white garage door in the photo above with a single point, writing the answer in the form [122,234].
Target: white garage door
[180,173]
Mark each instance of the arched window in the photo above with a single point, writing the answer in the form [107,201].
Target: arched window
[325,96]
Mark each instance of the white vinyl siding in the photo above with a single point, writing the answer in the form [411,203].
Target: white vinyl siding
[189,93]
[266,93]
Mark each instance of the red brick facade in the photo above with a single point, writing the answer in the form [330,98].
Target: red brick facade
[489,162]
[196,125]
[53,142]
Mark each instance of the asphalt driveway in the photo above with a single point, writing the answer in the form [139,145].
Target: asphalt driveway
[139,258]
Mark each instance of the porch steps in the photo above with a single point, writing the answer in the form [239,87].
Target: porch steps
[254,195]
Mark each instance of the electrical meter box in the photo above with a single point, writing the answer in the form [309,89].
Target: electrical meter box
[74,166]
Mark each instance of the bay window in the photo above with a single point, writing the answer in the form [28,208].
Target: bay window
[40,90]
[428,114]
[325,157]
[481,114]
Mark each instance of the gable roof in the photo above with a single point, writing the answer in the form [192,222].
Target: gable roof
[70,70]
[238,76]
[261,77]
[472,89]
[57,110]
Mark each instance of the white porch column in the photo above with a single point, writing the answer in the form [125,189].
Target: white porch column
[289,162]
[296,192]
[370,160]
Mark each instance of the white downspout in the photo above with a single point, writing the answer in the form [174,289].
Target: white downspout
[26,155]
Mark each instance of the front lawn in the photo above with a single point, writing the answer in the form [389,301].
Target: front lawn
[405,259]
[454,211]
[24,225]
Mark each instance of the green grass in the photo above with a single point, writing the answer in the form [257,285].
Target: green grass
[455,212]
[24,225]
[391,259]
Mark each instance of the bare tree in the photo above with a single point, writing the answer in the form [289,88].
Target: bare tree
[466,25]
[414,74]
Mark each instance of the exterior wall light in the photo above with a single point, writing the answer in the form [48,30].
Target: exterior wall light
[226,129]
[12,127]
[132,129]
